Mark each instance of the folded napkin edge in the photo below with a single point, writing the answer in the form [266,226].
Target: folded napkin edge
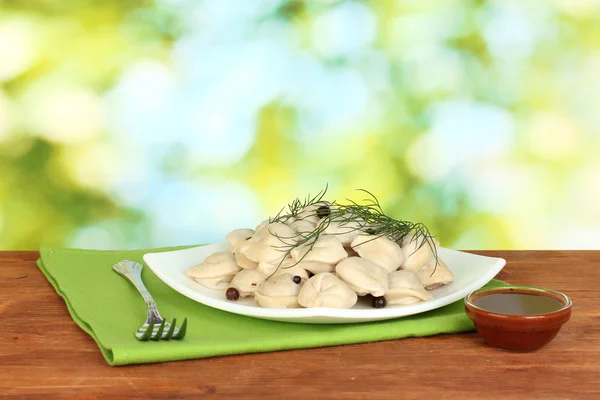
[84,326]
[50,249]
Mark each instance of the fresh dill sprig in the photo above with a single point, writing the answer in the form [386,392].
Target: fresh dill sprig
[296,206]
[307,239]
[368,218]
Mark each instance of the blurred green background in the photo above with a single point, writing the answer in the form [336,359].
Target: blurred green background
[128,124]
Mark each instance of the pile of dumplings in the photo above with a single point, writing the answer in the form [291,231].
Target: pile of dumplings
[345,262]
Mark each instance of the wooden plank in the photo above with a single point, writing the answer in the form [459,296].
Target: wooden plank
[44,354]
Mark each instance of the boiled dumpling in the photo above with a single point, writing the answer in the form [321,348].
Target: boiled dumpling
[303,226]
[268,269]
[237,236]
[310,213]
[363,276]
[314,267]
[244,262]
[241,259]
[381,250]
[417,252]
[269,243]
[326,249]
[279,292]
[247,281]
[317,267]
[346,230]
[288,266]
[262,225]
[405,288]
[326,290]
[433,276]
[216,271]
[296,270]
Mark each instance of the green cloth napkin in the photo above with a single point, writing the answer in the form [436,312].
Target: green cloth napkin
[109,309]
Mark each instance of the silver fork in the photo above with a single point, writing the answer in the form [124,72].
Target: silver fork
[155,327]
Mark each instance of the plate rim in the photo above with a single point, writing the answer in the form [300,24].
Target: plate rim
[322,312]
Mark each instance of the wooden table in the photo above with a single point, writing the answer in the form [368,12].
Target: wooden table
[43,354]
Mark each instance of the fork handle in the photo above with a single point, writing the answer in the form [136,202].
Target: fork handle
[132,271]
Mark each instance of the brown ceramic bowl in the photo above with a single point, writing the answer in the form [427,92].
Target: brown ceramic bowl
[517,328]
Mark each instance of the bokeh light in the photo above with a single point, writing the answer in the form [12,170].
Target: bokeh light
[141,124]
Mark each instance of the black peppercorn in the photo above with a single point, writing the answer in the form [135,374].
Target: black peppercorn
[378,302]
[297,279]
[323,211]
[232,294]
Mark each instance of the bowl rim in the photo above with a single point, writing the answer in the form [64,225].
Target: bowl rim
[567,303]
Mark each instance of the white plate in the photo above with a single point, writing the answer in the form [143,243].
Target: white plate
[471,272]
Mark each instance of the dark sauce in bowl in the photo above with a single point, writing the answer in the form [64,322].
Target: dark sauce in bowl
[518,303]
[518,318]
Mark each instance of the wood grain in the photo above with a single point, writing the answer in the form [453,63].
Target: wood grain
[43,354]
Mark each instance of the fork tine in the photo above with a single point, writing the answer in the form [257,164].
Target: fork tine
[161,328]
[169,333]
[181,332]
[147,333]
